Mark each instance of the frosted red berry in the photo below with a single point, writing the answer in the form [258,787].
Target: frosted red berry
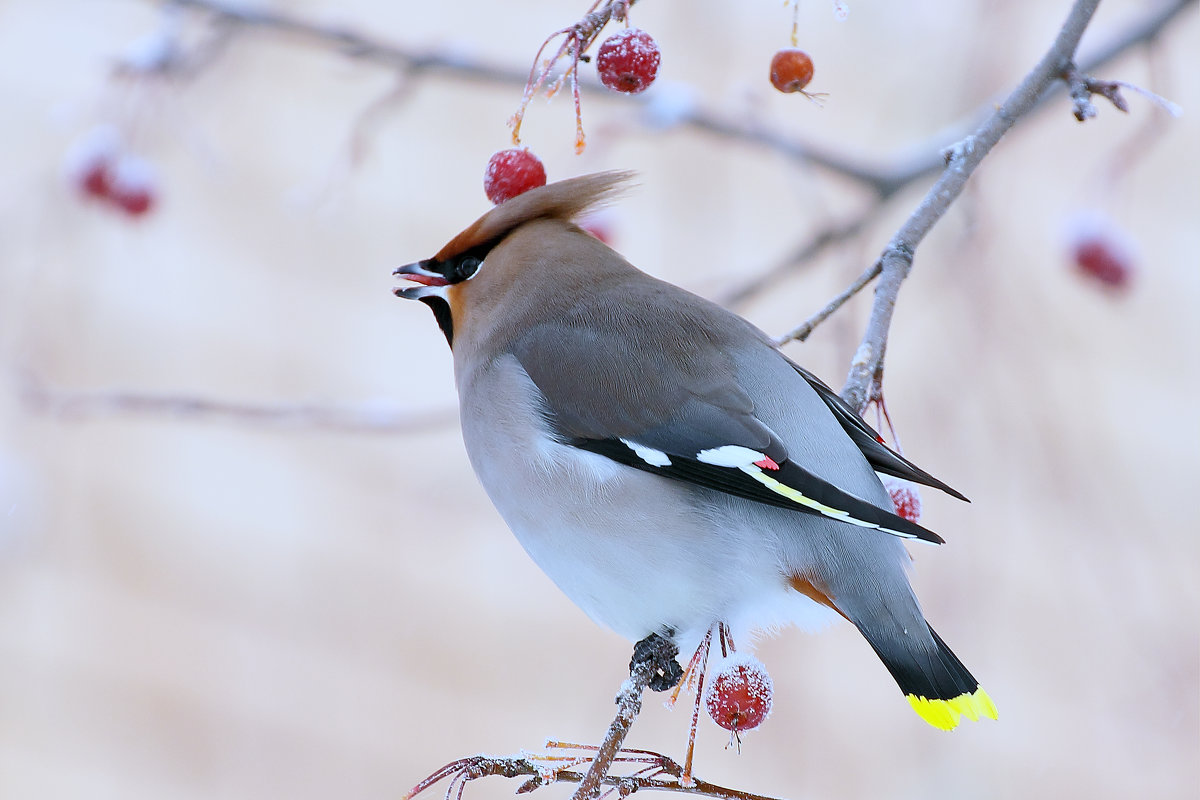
[512,172]
[628,61]
[905,497]
[739,696]
[791,70]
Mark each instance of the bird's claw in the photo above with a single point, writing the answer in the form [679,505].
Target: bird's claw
[657,652]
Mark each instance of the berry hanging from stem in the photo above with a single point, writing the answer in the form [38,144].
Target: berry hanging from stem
[791,70]
[512,172]
[628,61]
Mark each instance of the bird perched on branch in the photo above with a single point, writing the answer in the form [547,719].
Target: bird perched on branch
[661,460]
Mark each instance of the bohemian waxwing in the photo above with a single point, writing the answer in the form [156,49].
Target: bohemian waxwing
[660,459]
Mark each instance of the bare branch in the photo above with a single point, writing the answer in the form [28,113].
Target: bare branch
[887,181]
[1082,87]
[885,178]
[360,46]
[475,767]
[961,162]
[804,330]
[651,655]
[352,44]
[930,159]
[73,405]
[834,234]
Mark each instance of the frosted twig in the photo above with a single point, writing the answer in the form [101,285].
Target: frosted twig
[646,778]
[1082,87]
[650,655]
[833,234]
[961,160]
[805,329]
[77,405]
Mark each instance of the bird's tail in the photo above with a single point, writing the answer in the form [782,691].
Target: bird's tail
[936,683]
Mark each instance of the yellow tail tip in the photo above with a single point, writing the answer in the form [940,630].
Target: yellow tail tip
[945,714]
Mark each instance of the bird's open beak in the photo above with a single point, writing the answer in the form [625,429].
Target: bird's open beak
[418,273]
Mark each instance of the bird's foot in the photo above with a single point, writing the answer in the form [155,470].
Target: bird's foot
[657,652]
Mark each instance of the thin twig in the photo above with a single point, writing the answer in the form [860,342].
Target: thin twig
[885,180]
[577,38]
[353,44]
[77,405]
[476,767]
[961,161]
[652,656]
[805,329]
[834,234]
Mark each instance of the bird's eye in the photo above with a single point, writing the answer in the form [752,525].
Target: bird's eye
[466,268]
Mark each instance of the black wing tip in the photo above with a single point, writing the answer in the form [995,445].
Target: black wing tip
[888,461]
[918,475]
[947,488]
[910,529]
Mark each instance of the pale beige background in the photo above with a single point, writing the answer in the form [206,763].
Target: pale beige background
[198,609]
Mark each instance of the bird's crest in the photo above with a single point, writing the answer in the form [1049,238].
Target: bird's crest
[562,200]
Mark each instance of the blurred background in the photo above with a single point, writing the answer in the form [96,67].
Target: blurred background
[242,554]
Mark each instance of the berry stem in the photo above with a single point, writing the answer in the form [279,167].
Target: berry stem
[702,651]
[726,640]
[577,38]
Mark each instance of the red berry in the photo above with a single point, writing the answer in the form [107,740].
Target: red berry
[94,180]
[598,225]
[791,70]
[628,61]
[739,696]
[905,497]
[134,203]
[512,172]
[89,162]
[134,185]
[1102,260]
[1100,249]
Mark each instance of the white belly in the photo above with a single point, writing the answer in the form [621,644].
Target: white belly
[637,552]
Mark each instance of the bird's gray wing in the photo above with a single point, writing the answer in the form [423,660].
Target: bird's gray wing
[673,408]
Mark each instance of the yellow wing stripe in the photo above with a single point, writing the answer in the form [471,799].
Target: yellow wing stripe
[796,496]
[945,714]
